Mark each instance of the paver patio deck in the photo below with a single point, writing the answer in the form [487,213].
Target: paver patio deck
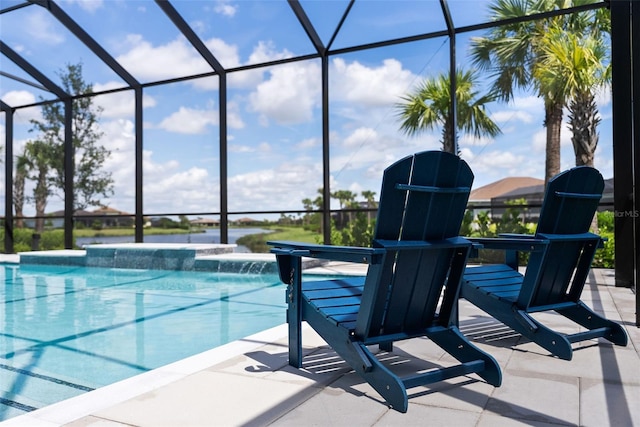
[249,382]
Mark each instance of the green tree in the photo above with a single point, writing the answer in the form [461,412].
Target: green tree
[90,181]
[39,154]
[370,197]
[427,107]
[21,172]
[513,55]
[578,64]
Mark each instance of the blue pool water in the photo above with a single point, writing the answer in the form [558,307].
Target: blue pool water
[68,330]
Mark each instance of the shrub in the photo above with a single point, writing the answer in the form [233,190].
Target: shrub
[23,239]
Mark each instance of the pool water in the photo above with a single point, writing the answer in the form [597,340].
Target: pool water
[68,330]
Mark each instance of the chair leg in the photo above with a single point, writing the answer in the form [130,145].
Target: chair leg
[385,382]
[552,341]
[295,342]
[584,316]
[456,344]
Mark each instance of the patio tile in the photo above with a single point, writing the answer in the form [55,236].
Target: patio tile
[492,420]
[604,403]
[533,397]
[211,398]
[602,361]
[95,422]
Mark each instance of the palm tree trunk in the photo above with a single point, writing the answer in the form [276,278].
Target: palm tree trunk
[447,139]
[18,196]
[41,192]
[553,123]
[583,122]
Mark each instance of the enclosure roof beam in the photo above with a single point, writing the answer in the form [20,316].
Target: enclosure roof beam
[188,32]
[32,71]
[308,26]
[88,41]
[21,80]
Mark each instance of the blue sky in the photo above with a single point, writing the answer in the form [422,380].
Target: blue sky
[275,129]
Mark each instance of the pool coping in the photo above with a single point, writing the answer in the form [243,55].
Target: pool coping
[72,409]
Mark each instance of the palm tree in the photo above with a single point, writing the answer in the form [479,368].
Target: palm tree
[428,106]
[371,201]
[39,154]
[513,54]
[345,198]
[22,170]
[578,64]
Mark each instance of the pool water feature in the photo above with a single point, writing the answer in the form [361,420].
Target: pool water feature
[66,330]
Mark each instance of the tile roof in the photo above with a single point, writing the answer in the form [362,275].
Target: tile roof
[503,186]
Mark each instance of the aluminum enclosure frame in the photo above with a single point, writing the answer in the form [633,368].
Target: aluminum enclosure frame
[625,18]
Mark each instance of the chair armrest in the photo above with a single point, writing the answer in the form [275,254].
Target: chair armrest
[517,235]
[335,253]
[511,243]
[398,245]
[571,237]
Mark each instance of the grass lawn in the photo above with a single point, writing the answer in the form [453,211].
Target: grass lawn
[258,242]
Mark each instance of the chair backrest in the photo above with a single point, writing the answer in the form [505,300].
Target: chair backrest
[570,203]
[423,198]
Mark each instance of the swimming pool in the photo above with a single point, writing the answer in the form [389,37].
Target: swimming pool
[68,330]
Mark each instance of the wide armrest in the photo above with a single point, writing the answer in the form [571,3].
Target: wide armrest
[335,253]
[517,235]
[511,243]
[421,244]
[571,237]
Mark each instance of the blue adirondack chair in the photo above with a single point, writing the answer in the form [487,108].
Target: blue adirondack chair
[561,252]
[416,260]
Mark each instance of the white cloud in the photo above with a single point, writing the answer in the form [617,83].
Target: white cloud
[174,59]
[189,121]
[603,96]
[41,28]
[190,188]
[225,8]
[509,116]
[119,104]
[289,95]
[360,137]
[234,120]
[499,164]
[378,86]
[310,143]
[470,140]
[263,189]
[19,97]
[265,51]
[16,98]
[88,5]
[529,103]
[539,142]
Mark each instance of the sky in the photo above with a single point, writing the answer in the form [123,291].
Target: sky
[274,113]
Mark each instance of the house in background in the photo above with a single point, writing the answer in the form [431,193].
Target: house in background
[205,222]
[107,217]
[486,197]
[494,197]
